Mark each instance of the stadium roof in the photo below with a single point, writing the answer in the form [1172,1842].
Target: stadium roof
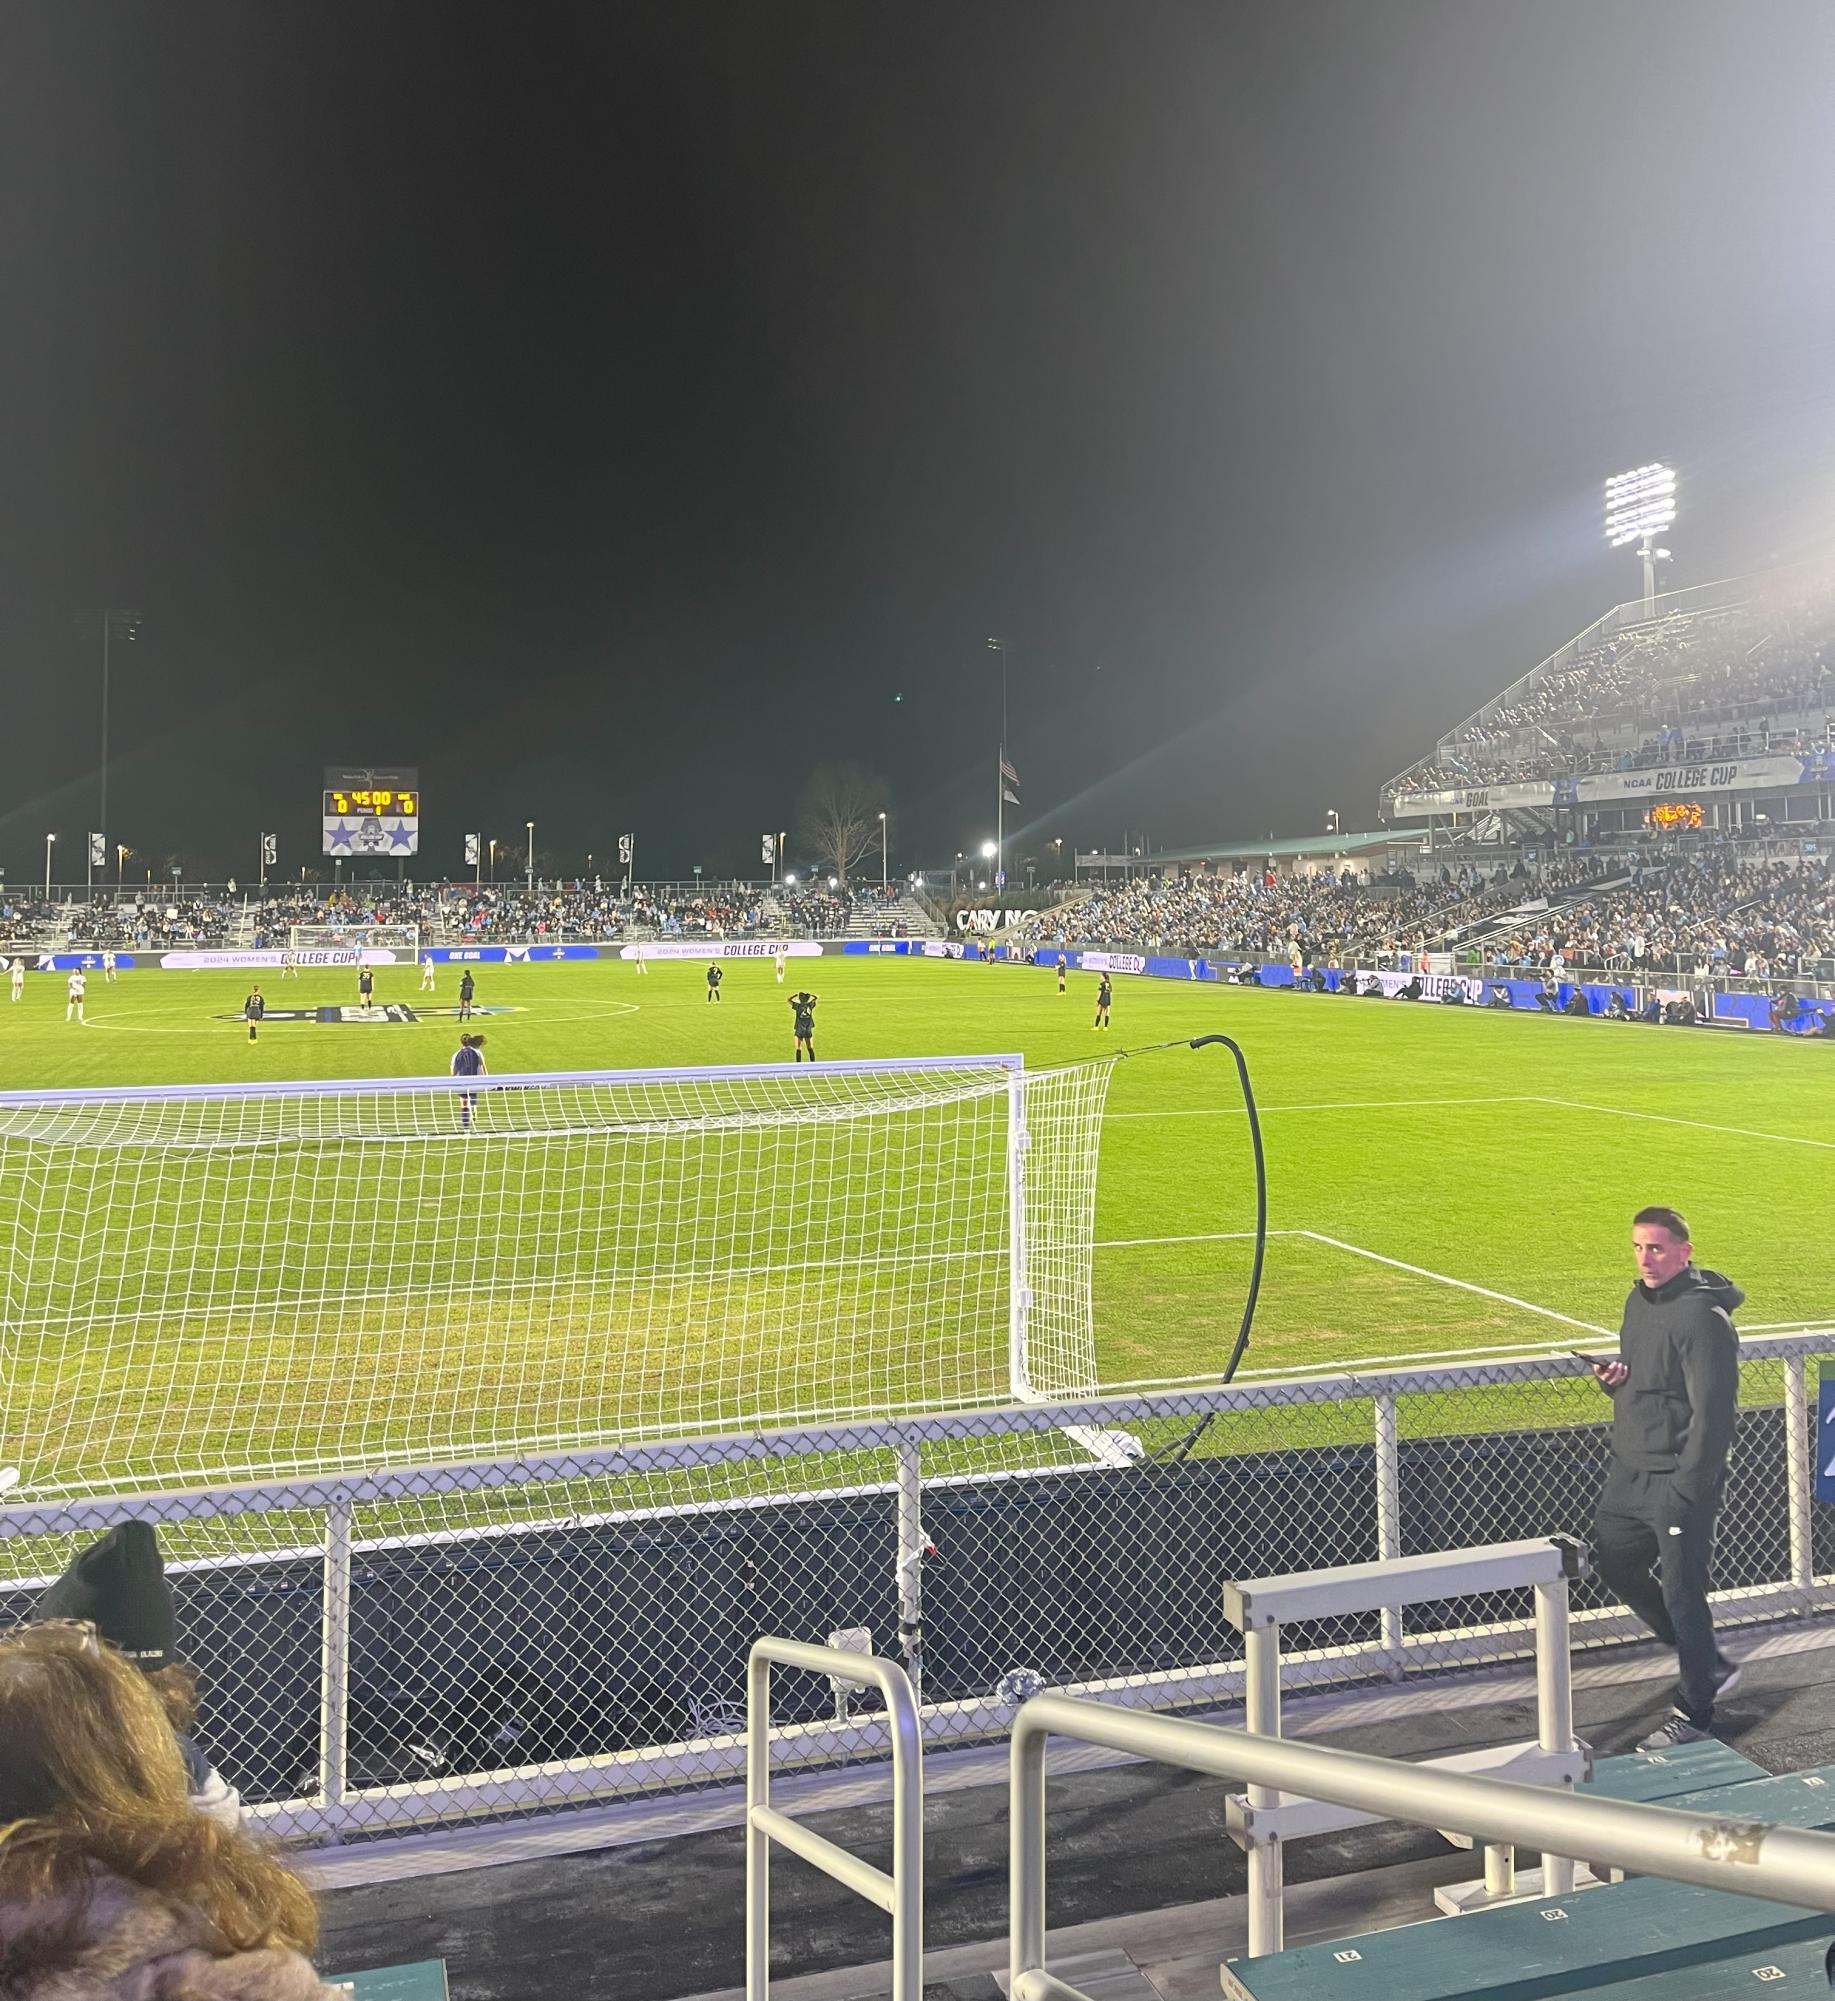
[1304,847]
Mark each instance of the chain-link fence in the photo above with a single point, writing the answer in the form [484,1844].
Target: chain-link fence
[417,1648]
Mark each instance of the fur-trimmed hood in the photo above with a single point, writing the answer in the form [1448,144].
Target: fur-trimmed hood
[131,1945]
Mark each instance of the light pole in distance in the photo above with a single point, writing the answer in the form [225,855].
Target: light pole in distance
[882,853]
[50,842]
[530,824]
[1640,504]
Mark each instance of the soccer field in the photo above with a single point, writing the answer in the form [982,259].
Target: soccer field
[1441,1181]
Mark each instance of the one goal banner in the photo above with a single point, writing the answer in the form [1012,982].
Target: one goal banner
[211,1284]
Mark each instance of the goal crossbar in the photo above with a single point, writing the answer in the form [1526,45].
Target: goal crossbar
[216,1283]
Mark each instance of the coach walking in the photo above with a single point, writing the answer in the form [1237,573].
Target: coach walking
[1674,1389]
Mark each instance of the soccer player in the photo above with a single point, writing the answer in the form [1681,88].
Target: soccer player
[1063,969]
[426,972]
[74,992]
[108,966]
[366,986]
[714,976]
[19,979]
[467,988]
[289,964]
[642,959]
[253,1009]
[468,1061]
[1103,997]
[783,959]
[803,1021]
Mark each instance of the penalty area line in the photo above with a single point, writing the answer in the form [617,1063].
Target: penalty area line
[1668,1119]
[1340,1105]
[1461,1284]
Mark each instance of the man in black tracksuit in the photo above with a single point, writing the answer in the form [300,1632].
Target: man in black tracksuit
[1674,1389]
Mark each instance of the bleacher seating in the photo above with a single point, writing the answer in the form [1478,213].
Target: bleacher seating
[1640,1936]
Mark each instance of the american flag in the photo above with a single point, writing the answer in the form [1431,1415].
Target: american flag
[1008,773]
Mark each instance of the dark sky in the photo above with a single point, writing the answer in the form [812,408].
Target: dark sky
[611,409]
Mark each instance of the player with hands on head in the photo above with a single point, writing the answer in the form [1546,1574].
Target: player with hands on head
[803,1022]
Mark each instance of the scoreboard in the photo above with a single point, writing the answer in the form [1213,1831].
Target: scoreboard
[373,812]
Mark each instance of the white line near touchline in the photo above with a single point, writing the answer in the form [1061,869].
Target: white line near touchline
[1464,1285]
[1666,1119]
[1345,1105]
[1196,1237]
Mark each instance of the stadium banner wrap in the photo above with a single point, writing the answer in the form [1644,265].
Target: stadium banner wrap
[724,948]
[1121,962]
[258,958]
[1607,788]
[509,955]
[71,962]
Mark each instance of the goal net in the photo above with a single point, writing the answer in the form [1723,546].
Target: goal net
[397,941]
[209,1285]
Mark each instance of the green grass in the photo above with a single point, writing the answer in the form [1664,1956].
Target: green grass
[1506,1153]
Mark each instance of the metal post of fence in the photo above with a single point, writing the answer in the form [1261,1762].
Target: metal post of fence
[1554,1707]
[911,1546]
[1019,1358]
[1262,1715]
[1388,1519]
[757,1841]
[1799,1476]
[334,1651]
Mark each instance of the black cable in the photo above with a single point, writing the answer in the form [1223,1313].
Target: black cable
[1179,1453]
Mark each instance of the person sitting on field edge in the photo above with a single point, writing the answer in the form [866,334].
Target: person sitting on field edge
[1674,1386]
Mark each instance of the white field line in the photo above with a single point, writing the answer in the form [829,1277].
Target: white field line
[1343,1105]
[1463,1285]
[1665,1119]
[1196,1237]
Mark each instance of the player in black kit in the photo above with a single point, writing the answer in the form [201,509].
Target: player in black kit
[803,1013]
[714,976]
[1103,998]
[467,988]
[366,986]
[252,1010]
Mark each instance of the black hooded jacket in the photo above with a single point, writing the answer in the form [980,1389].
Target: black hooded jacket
[1674,1412]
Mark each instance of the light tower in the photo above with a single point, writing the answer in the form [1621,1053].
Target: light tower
[1640,504]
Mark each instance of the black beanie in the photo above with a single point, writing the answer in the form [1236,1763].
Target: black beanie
[119,1585]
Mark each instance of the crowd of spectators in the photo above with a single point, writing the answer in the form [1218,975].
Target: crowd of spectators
[1326,919]
[1707,917]
[1760,679]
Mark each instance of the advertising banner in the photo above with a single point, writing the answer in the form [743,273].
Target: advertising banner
[723,948]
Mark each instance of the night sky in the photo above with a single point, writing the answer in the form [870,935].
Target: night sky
[613,410]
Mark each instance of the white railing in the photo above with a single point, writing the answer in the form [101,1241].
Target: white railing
[901,1893]
[319,1606]
[1264,1820]
[1785,1865]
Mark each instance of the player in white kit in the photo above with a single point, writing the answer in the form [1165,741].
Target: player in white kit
[782,961]
[108,966]
[19,979]
[74,992]
[426,972]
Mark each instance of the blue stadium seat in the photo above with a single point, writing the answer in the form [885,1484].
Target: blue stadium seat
[1644,1776]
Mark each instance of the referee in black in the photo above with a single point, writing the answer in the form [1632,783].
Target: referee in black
[1674,1385]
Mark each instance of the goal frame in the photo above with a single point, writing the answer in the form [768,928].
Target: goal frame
[1005,1074]
[401,941]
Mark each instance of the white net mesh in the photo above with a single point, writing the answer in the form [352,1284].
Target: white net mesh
[216,1285]
[402,940]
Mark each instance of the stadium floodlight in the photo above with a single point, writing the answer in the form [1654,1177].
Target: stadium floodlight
[790,882]
[988,850]
[1640,504]
[50,843]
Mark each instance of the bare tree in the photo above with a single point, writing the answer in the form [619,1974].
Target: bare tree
[837,816]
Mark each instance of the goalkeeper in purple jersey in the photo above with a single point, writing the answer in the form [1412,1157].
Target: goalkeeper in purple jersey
[468,1061]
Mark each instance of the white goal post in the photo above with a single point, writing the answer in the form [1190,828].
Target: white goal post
[348,943]
[211,1284]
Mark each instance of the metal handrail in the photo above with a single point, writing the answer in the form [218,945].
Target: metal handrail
[900,1894]
[1786,1865]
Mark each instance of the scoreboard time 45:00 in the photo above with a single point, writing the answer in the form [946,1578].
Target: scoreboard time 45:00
[373,800]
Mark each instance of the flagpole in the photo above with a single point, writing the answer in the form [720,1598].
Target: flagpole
[1000,812]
